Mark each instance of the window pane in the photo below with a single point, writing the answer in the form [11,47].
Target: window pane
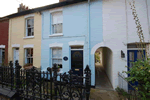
[54,28]
[32,31]
[131,56]
[54,61]
[31,61]
[60,61]
[28,52]
[3,54]
[30,22]
[59,28]
[59,53]
[131,64]
[29,55]
[31,52]
[28,60]
[54,53]
[29,32]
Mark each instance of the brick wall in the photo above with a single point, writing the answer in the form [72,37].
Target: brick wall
[4,27]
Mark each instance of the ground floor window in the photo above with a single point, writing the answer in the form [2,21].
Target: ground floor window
[29,56]
[57,56]
[2,56]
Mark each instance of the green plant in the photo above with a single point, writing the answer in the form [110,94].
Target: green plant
[97,57]
[140,72]
[122,92]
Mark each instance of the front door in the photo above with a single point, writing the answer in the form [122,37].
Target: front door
[77,62]
[133,55]
[16,55]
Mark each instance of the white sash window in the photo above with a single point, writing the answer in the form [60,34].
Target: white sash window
[57,56]
[57,22]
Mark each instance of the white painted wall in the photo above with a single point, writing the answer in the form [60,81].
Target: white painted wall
[114,34]
[119,29]
[141,9]
[107,62]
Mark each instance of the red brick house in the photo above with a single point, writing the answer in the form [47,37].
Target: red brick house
[4,29]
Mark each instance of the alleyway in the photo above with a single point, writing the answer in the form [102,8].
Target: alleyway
[102,81]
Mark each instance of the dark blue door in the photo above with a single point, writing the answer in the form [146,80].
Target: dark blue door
[77,62]
[133,55]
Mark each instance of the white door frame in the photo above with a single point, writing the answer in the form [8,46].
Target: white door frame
[14,56]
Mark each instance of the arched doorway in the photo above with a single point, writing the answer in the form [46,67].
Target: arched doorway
[103,68]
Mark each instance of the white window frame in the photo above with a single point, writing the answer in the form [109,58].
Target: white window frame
[26,35]
[28,57]
[52,58]
[53,12]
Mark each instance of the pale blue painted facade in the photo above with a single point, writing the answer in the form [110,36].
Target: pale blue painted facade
[75,28]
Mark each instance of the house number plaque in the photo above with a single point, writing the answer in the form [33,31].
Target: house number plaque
[65,58]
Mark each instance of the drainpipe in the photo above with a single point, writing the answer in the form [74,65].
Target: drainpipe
[89,60]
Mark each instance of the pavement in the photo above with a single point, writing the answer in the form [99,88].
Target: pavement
[98,94]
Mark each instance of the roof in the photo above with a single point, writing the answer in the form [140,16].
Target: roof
[3,18]
[39,9]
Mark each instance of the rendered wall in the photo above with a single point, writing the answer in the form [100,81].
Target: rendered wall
[16,35]
[75,28]
[4,26]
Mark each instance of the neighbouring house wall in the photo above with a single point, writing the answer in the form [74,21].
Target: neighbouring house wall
[4,27]
[16,35]
[119,29]
[141,9]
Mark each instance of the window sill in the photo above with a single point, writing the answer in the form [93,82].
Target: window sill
[28,37]
[54,35]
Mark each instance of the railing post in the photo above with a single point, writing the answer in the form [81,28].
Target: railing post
[51,80]
[87,71]
[17,72]
[12,74]
[55,69]
[33,71]
[1,75]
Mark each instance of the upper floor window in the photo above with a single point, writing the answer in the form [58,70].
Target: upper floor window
[30,26]
[57,22]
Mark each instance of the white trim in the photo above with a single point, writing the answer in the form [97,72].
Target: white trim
[31,15]
[57,34]
[75,43]
[56,10]
[135,48]
[28,37]
[97,46]
[15,45]
[76,49]
[2,46]
[53,45]
[28,46]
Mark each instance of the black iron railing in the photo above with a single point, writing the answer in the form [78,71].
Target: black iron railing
[43,85]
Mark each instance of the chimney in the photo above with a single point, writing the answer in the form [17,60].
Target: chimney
[65,0]
[22,7]
[62,0]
